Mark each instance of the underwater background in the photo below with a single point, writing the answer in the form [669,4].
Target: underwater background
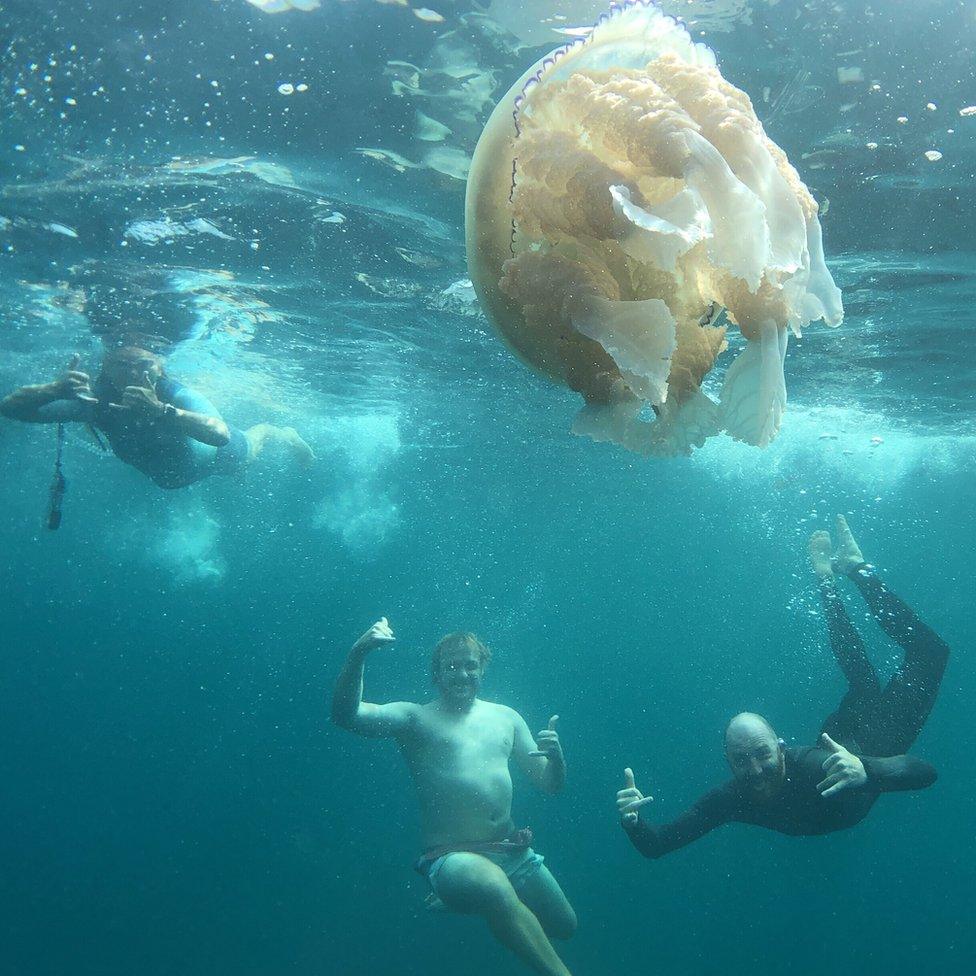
[174,799]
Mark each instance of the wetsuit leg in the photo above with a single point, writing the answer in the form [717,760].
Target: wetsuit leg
[846,725]
[232,457]
[908,698]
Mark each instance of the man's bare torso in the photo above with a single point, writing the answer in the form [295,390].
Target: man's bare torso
[459,764]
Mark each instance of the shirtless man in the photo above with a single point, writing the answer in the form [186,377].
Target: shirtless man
[458,748]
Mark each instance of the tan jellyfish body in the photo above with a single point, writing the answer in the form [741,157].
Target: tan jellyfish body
[621,195]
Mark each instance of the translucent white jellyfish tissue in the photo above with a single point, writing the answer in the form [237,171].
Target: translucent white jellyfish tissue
[623,195]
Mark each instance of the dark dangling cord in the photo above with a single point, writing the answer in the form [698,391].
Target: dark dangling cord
[58,486]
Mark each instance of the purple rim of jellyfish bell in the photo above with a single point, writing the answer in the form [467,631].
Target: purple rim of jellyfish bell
[551,60]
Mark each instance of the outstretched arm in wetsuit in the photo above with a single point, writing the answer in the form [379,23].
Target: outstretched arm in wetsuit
[349,711]
[69,398]
[71,392]
[656,840]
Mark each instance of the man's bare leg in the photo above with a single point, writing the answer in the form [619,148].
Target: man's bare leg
[259,436]
[471,885]
[545,899]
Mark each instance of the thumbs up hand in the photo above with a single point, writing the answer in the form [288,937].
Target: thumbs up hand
[547,742]
[630,799]
[844,770]
[377,635]
[74,384]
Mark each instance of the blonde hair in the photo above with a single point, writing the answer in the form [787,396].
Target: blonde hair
[459,640]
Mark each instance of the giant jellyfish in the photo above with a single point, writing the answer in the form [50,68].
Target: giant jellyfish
[622,196]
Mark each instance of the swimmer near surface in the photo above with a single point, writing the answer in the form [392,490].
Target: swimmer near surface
[621,196]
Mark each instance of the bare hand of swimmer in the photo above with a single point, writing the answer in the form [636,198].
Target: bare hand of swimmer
[844,770]
[547,743]
[75,384]
[630,799]
[377,635]
[141,399]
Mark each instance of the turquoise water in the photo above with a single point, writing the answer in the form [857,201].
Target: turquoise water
[174,798]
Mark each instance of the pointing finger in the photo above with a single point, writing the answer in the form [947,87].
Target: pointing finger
[552,723]
[73,362]
[629,778]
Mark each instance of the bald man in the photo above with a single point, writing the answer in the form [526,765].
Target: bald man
[860,753]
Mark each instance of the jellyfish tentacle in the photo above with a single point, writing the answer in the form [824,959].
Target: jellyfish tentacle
[731,207]
[663,233]
[822,295]
[638,336]
[754,392]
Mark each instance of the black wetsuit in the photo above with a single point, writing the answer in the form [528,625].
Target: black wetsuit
[877,724]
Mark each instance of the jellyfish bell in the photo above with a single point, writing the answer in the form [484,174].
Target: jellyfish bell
[624,208]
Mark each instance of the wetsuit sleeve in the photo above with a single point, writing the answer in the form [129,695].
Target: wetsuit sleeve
[188,399]
[64,411]
[656,840]
[892,774]
[886,774]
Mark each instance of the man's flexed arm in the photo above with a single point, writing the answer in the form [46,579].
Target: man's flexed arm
[349,711]
[541,758]
[26,403]
[193,423]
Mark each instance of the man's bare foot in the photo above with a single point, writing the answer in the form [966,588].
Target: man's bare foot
[820,548]
[847,555]
[297,444]
[261,435]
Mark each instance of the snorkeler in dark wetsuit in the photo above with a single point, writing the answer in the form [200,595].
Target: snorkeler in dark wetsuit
[860,754]
[172,434]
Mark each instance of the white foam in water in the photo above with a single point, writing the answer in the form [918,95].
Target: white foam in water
[361,511]
[187,543]
[361,516]
[851,446]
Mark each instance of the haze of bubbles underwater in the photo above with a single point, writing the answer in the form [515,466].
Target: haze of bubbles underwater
[280,195]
